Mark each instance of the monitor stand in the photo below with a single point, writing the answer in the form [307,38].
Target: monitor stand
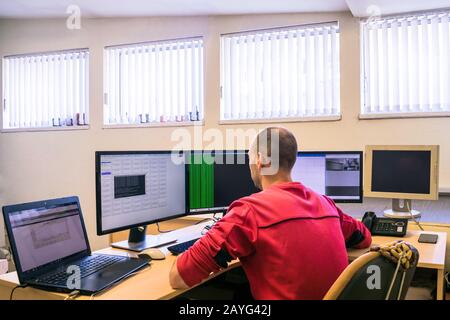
[138,240]
[401,209]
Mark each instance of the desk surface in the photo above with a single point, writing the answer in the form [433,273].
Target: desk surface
[153,282]
[150,283]
[430,255]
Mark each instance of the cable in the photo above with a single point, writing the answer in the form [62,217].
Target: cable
[14,289]
[214,218]
[72,295]
[162,231]
[447,280]
[412,216]
[394,277]
[204,220]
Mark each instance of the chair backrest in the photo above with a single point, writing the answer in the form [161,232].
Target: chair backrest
[370,277]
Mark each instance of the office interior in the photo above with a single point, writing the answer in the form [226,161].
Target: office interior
[51,162]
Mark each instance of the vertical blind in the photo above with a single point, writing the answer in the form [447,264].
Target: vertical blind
[280,73]
[154,82]
[405,67]
[46,90]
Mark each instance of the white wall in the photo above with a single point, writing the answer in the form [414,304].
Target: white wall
[40,165]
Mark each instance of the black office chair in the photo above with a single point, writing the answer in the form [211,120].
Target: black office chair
[358,282]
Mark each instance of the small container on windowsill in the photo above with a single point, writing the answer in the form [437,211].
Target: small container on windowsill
[3,266]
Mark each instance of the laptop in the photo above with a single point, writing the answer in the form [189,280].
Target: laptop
[51,249]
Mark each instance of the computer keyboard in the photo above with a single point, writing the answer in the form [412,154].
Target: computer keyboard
[88,266]
[181,247]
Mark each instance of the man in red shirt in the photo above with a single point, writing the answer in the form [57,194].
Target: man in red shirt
[291,241]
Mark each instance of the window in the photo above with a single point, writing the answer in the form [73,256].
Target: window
[405,65]
[284,73]
[155,82]
[46,90]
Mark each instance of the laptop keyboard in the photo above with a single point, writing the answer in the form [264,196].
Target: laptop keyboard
[88,266]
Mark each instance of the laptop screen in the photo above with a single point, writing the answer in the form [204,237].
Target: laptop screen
[46,234]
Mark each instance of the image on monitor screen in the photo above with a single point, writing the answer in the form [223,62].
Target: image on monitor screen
[342,177]
[337,175]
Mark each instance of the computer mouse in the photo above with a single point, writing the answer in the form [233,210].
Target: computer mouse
[152,254]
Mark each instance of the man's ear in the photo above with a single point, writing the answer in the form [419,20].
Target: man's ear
[258,161]
[262,161]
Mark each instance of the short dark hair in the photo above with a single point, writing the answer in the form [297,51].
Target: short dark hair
[287,146]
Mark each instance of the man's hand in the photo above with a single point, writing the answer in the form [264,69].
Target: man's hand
[175,279]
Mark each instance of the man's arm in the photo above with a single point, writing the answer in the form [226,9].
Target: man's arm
[175,279]
[355,233]
[232,237]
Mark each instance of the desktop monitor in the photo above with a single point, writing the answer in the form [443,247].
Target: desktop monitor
[137,188]
[402,173]
[336,174]
[217,178]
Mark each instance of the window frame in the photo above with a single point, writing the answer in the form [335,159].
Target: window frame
[390,115]
[312,118]
[47,128]
[184,123]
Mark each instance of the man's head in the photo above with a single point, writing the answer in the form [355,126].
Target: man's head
[272,155]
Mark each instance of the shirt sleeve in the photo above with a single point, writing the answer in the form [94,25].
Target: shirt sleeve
[355,233]
[232,237]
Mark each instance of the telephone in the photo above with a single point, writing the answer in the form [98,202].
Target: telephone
[385,226]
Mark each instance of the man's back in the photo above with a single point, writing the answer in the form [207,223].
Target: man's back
[291,243]
[300,249]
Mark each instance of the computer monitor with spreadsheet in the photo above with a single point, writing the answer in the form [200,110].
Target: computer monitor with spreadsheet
[335,174]
[217,178]
[137,188]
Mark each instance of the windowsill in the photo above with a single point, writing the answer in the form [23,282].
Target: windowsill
[154,125]
[46,129]
[433,213]
[403,115]
[278,120]
[444,191]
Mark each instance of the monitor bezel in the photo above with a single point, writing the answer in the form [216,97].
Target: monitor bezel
[361,179]
[98,196]
[434,172]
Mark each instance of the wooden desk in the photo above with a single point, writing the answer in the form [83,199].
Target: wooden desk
[153,282]
[431,256]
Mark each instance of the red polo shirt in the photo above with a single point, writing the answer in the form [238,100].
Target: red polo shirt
[290,241]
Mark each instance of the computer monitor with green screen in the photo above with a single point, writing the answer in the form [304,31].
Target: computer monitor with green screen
[217,178]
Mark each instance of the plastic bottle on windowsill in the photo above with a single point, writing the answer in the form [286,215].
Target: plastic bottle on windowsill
[3,261]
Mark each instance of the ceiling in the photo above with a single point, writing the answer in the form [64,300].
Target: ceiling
[136,8]
[131,8]
[365,8]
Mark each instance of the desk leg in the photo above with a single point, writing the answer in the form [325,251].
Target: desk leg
[440,285]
